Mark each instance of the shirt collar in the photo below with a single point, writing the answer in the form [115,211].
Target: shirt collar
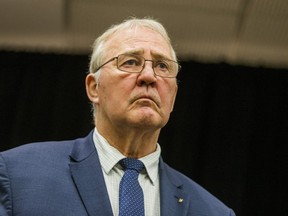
[110,156]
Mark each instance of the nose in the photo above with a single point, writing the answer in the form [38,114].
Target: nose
[147,75]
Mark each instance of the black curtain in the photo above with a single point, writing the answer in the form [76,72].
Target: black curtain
[228,130]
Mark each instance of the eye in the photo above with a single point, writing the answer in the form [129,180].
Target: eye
[131,62]
[128,61]
[162,65]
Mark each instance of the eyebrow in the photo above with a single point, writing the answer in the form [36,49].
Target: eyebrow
[160,56]
[154,54]
[135,52]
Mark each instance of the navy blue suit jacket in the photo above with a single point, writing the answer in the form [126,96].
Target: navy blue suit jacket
[65,179]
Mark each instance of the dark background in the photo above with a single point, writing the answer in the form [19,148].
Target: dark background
[228,131]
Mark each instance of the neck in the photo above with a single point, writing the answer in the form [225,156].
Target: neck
[131,142]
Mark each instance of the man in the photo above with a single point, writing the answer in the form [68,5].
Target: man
[132,86]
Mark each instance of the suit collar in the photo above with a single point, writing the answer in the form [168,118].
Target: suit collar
[88,177]
[82,148]
[174,201]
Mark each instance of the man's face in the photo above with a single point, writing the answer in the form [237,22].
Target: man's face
[135,100]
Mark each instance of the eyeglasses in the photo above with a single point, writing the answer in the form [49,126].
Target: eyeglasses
[132,63]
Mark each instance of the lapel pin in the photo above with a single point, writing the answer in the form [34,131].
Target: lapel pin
[180,200]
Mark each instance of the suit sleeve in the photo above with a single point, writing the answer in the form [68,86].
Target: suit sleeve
[5,190]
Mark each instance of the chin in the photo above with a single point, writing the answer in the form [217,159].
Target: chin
[149,117]
[148,122]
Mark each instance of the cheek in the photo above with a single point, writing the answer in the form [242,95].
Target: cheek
[168,97]
[115,91]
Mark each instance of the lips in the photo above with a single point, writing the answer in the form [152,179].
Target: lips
[146,97]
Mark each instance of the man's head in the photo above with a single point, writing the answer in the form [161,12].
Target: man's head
[99,46]
[122,97]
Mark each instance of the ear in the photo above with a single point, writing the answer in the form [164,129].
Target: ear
[91,88]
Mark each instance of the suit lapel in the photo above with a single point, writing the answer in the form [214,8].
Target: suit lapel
[173,199]
[88,177]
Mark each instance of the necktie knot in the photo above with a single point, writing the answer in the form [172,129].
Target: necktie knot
[132,163]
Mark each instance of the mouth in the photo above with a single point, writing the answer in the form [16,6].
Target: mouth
[146,100]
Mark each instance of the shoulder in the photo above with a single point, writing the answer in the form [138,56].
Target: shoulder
[202,200]
[36,172]
[27,165]
[38,150]
[35,159]
[48,153]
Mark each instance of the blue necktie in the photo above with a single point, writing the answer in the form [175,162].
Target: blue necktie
[131,198]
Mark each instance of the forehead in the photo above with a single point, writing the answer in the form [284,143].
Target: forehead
[148,41]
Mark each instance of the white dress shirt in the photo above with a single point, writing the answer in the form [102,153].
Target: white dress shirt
[113,172]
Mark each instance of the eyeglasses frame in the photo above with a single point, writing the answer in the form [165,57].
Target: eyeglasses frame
[112,59]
